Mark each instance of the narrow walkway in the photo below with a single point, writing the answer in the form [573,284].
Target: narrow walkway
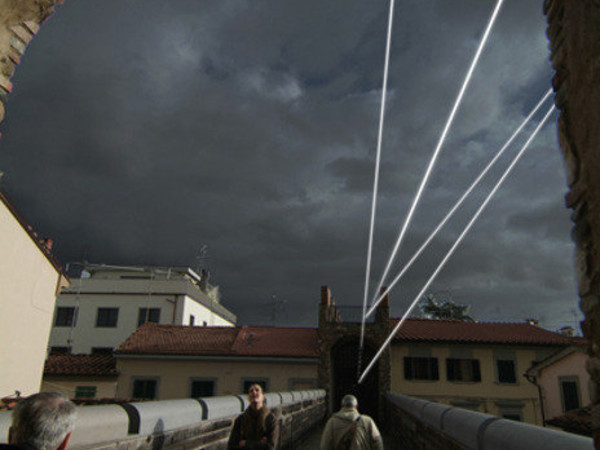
[313,440]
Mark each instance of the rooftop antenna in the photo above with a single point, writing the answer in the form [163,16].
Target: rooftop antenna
[201,258]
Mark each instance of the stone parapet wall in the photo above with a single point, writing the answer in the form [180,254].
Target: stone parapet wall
[187,423]
[415,424]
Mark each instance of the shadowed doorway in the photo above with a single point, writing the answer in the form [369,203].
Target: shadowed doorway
[344,356]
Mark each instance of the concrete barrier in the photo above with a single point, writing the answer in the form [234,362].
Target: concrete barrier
[273,399]
[157,417]
[503,434]
[416,423]
[433,414]
[190,423]
[5,421]
[286,398]
[219,407]
[464,426]
[99,424]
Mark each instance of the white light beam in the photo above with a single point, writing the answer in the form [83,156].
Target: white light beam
[458,203]
[458,241]
[376,180]
[439,146]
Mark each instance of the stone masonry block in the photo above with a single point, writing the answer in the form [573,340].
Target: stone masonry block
[5,84]
[32,26]
[18,45]
[22,33]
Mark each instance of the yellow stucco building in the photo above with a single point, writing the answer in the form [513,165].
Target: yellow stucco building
[30,279]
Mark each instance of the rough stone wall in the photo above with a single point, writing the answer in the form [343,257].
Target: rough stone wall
[20,20]
[574,34]
[331,330]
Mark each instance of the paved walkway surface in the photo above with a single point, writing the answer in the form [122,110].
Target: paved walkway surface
[313,439]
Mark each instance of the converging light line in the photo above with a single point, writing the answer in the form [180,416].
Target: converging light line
[376,180]
[439,146]
[458,203]
[458,241]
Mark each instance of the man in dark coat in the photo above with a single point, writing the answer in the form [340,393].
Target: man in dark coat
[257,427]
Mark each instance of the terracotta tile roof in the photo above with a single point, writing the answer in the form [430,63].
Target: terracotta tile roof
[476,332]
[276,341]
[82,365]
[578,421]
[158,339]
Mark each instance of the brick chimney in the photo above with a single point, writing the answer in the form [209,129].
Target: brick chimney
[325,296]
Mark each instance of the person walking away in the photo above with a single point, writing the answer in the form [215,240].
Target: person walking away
[349,430]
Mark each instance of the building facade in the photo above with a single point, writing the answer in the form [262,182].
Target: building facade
[81,376]
[108,303]
[30,279]
[166,361]
[564,384]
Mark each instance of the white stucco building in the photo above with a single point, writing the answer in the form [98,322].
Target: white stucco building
[108,303]
[30,279]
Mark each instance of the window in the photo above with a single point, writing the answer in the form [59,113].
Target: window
[421,368]
[102,350]
[512,416]
[202,388]
[506,371]
[144,388]
[463,370]
[192,320]
[569,391]
[107,317]
[65,316]
[247,382]
[58,350]
[148,315]
[204,323]
[85,391]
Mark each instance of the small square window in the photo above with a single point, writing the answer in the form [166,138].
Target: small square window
[59,350]
[102,350]
[107,317]
[416,368]
[202,388]
[512,416]
[463,370]
[65,316]
[148,315]
[85,391]
[144,388]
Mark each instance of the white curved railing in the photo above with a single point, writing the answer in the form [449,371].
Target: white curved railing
[100,424]
[480,431]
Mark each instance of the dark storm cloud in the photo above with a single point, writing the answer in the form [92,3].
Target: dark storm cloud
[138,131]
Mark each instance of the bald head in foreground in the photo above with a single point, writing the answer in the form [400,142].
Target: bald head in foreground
[349,430]
[42,421]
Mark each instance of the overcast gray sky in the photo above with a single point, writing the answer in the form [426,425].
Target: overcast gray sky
[142,130]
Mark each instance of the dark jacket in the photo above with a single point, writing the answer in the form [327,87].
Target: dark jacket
[258,435]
